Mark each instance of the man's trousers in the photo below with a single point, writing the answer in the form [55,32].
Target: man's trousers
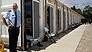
[13,38]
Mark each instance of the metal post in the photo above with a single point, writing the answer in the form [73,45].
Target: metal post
[46,13]
[22,24]
[56,17]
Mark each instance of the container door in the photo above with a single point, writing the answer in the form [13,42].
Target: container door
[28,27]
[50,18]
[31,20]
[36,19]
[59,19]
[64,21]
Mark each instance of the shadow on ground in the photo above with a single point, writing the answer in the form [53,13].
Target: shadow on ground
[48,43]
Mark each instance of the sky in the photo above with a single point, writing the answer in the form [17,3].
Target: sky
[77,3]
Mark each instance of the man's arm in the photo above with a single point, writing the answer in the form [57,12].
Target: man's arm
[4,21]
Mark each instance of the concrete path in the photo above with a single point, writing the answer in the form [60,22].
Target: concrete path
[85,44]
[68,43]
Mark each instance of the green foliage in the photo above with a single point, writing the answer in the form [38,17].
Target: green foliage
[86,12]
[77,10]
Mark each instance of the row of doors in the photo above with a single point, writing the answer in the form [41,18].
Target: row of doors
[32,15]
[31,18]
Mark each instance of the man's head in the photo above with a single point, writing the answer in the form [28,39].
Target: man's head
[15,6]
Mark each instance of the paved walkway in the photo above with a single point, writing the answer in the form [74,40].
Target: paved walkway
[85,44]
[68,43]
[78,40]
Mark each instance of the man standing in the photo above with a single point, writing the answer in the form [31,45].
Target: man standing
[14,21]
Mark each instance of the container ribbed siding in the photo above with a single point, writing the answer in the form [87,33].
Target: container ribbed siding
[52,14]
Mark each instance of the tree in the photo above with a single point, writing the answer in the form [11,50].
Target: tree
[74,8]
[77,10]
[87,12]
